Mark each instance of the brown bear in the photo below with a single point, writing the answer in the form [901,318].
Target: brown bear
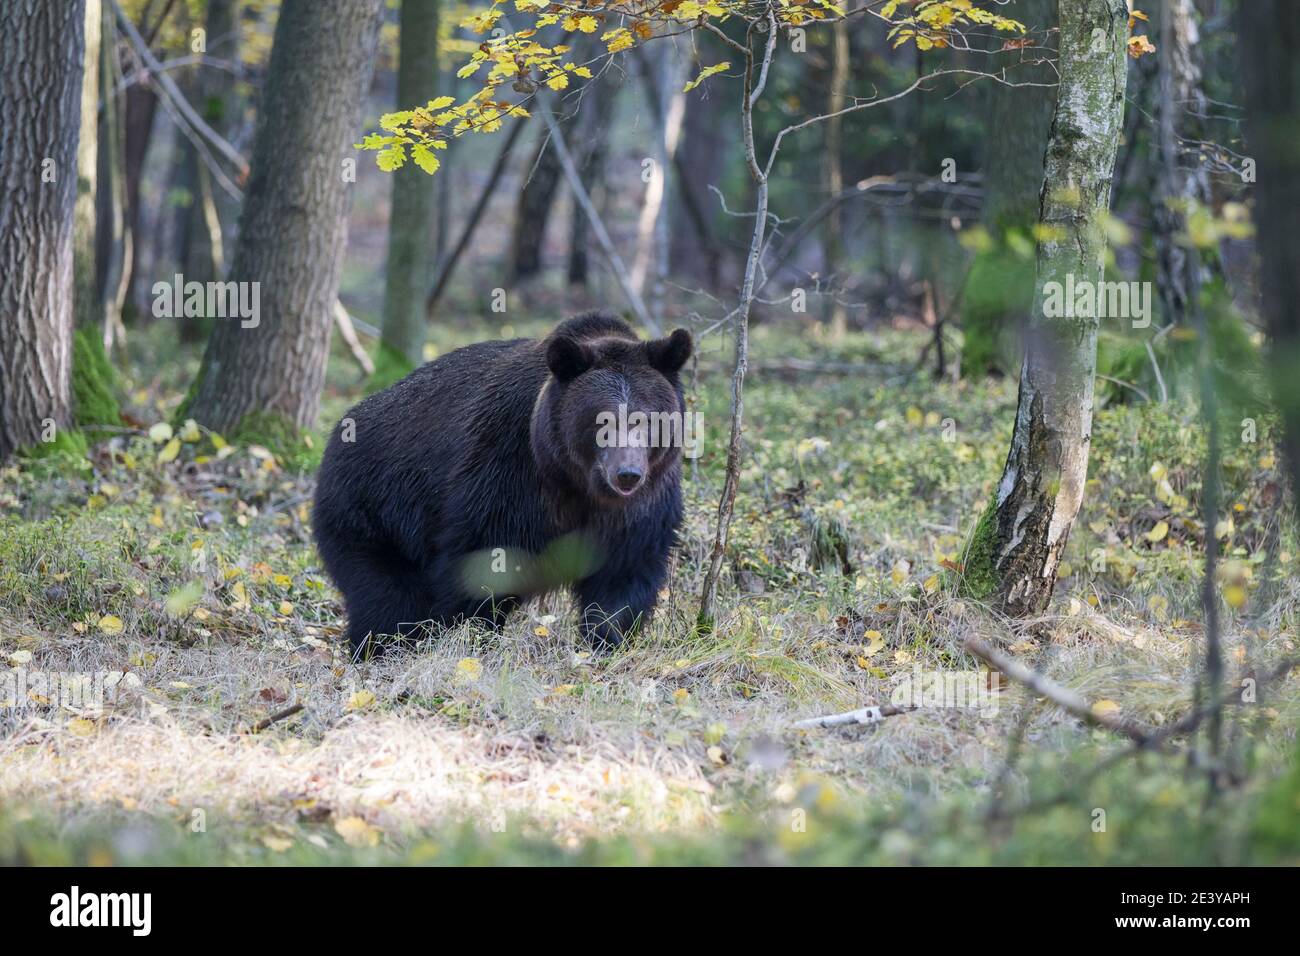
[498,472]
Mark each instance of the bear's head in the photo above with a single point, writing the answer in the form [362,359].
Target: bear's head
[611,416]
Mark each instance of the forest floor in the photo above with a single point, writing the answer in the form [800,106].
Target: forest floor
[185,573]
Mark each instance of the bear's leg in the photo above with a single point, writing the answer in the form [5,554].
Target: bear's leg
[385,596]
[618,599]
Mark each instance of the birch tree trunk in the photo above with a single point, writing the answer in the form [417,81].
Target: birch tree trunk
[42,56]
[293,228]
[1017,545]
[1268,38]
[410,248]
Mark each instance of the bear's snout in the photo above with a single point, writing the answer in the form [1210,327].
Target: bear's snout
[624,469]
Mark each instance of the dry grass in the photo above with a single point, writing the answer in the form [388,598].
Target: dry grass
[676,732]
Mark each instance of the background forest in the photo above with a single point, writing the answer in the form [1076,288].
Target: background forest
[978,566]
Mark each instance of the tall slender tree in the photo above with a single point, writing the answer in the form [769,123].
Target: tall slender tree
[999,288]
[293,228]
[1017,545]
[1268,38]
[42,56]
[410,246]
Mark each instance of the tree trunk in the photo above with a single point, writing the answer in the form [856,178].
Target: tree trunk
[836,101]
[410,249]
[533,211]
[86,300]
[1268,37]
[221,106]
[42,57]
[140,104]
[293,229]
[704,151]
[1017,546]
[1176,185]
[195,233]
[590,152]
[999,292]
[112,241]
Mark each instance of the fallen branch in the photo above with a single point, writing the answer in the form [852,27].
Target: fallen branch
[1063,697]
[863,715]
[349,333]
[278,715]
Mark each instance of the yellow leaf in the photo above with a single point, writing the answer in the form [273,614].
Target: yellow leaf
[356,832]
[110,624]
[541,630]
[874,645]
[469,669]
[276,844]
[160,433]
[170,451]
[1235,595]
[81,727]
[1158,532]
[899,574]
[360,700]
[705,73]
[1105,708]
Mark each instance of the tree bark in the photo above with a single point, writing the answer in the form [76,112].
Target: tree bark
[1268,37]
[293,228]
[1177,186]
[999,289]
[42,57]
[86,299]
[112,241]
[410,249]
[1017,546]
[589,155]
[834,160]
[533,211]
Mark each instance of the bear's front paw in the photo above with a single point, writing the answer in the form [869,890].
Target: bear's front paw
[607,631]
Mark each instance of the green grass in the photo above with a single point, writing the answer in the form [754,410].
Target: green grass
[196,577]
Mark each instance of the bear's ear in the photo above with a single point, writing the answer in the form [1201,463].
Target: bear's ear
[670,354]
[567,358]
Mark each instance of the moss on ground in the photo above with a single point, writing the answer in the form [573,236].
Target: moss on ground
[391,366]
[296,449]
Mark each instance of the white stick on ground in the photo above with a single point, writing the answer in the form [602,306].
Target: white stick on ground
[863,715]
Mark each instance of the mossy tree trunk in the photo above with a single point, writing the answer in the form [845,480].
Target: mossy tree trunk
[410,246]
[42,56]
[1269,41]
[293,228]
[1017,547]
[94,399]
[999,289]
